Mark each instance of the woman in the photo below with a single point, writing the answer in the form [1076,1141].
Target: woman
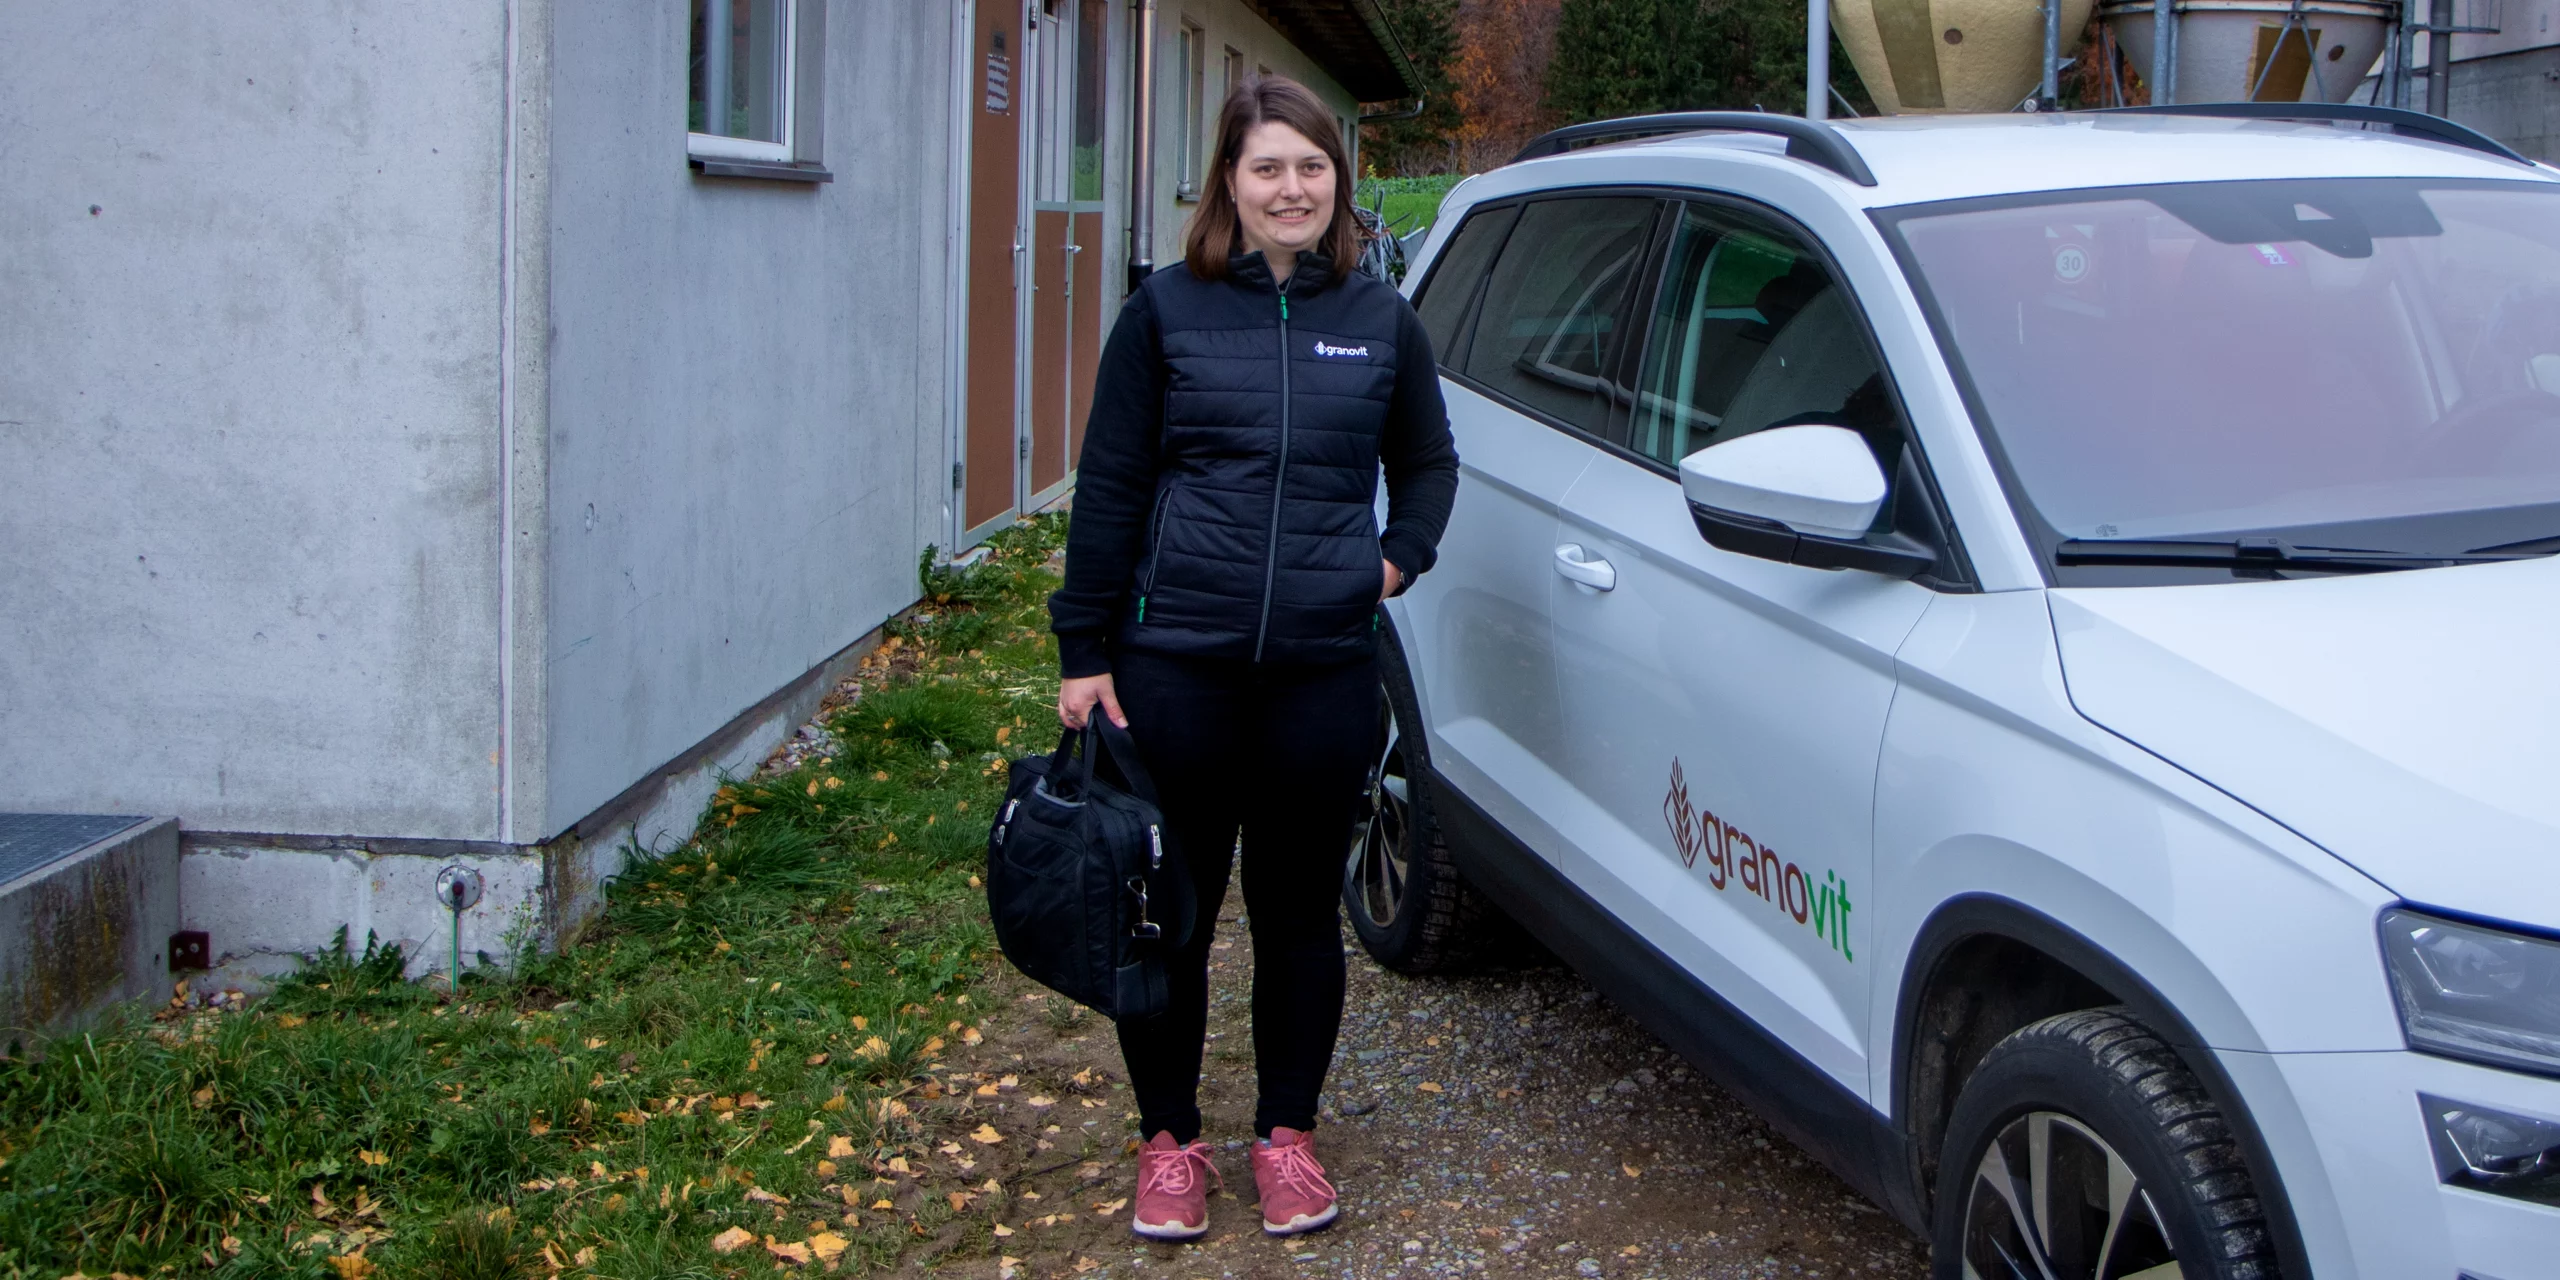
[1224,574]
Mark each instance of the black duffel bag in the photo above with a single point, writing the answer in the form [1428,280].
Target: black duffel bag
[1083,896]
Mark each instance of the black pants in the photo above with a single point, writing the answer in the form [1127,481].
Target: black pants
[1280,756]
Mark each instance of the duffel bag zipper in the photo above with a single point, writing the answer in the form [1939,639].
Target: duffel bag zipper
[1279,482]
[1004,821]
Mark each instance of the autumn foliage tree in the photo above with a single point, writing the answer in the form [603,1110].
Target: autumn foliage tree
[1504,47]
[1426,142]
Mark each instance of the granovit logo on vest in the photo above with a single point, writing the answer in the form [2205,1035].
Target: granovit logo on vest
[1328,349]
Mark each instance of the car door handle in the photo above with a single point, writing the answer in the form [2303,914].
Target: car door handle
[1583,567]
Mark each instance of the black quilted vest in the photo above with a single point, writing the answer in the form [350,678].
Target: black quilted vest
[1263,543]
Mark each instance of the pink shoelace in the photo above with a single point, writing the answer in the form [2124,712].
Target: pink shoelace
[1173,1172]
[1298,1171]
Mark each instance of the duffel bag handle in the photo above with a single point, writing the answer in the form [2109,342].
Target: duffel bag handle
[1071,769]
[1124,757]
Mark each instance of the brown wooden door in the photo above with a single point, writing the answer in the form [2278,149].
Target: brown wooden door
[989,489]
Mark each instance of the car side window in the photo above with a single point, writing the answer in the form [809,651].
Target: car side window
[1750,331]
[1551,329]
[1461,267]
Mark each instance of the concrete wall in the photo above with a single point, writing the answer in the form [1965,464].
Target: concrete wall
[746,439]
[249,366]
[87,932]
[2513,97]
[1226,24]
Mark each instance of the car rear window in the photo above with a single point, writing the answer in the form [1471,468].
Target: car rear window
[1552,326]
[1443,304]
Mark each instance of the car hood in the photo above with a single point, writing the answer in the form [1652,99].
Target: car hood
[2408,722]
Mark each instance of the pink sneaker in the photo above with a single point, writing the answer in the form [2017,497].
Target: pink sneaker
[1295,1195]
[1173,1189]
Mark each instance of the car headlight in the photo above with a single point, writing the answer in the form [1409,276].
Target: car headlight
[2473,992]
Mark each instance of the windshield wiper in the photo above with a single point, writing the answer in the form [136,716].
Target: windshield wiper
[2265,553]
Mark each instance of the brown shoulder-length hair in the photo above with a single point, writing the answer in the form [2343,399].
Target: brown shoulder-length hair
[1212,233]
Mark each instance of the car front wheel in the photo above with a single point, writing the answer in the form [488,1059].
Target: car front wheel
[2082,1148]
[1411,909]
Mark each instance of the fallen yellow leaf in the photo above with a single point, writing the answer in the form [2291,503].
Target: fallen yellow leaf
[882,1204]
[762,1196]
[971,1037]
[795,1254]
[1108,1207]
[1429,1086]
[839,1145]
[816,1060]
[374,1158]
[595,1042]
[288,1019]
[835,1103]
[827,1244]
[732,1240]
[1002,1230]
[986,1134]
[1631,1251]
[1631,1171]
[975,883]
[875,1047]
[351,1266]
[1085,1264]
[1042,1100]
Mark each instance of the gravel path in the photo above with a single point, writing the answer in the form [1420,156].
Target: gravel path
[1510,1124]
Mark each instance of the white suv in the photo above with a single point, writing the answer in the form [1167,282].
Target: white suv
[2028,648]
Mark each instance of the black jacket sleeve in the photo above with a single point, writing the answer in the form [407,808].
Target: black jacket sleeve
[1419,455]
[1115,487]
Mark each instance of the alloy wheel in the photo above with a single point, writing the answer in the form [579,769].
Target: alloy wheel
[2051,1200]
[1381,861]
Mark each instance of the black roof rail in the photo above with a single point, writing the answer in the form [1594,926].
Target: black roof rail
[2416,124]
[1807,140]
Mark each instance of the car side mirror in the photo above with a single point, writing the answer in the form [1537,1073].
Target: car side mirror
[1804,494]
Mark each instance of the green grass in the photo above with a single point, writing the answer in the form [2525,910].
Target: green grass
[1409,202]
[610,1109]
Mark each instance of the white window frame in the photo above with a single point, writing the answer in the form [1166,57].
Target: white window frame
[713,146]
[1194,52]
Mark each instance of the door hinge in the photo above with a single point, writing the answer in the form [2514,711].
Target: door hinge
[1022,447]
[958,470]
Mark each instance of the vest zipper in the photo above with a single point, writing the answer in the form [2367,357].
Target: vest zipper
[1279,481]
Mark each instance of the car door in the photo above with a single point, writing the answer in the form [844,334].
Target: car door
[1723,712]
[1524,306]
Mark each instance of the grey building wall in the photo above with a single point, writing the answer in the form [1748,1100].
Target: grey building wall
[2513,97]
[746,415]
[249,566]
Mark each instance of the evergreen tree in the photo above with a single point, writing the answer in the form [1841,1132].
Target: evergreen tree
[1631,57]
[1426,143]
[1611,58]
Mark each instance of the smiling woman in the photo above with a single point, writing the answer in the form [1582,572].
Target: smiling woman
[1279,183]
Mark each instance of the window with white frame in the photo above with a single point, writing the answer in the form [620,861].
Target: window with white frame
[743,101]
[1194,64]
[1235,77]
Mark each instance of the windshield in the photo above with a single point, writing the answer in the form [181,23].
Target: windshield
[2369,363]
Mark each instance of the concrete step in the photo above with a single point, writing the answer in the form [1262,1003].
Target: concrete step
[87,904]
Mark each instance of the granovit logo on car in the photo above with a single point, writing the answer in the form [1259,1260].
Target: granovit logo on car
[1324,348]
[1823,908]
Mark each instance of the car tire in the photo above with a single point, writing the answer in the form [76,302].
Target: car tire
[1400,885]
[2061,1111]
